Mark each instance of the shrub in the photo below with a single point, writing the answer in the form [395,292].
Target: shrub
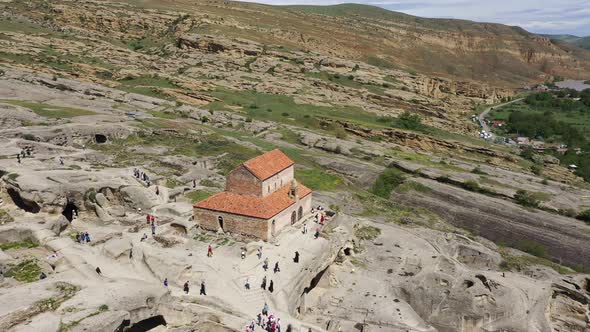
[584,216]
[537,169]
[478,170]
[204,119]
[29,137]
[410,121]
[367,232]
[249,119]
[341,133]
[526,198]
[387,181]
[285,114]
[531,247]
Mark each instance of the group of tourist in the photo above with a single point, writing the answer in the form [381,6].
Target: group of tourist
[82,237]
[26,152]
[142,176]
[186,287]
[151,220]
[267,321]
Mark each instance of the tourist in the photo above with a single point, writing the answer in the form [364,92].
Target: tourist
[259,252]
[165,282]
[263,285]
[276,269]
[194,183]
[265,264]
[247,284]
[130,253]
[296,259]
[144,237]
[243,254]
[157,190]
[252,325]
[98,271]
[289,328]
[153,229]
[29,151]
[61,160]
[259,318]
[304,231]
[271,287]
[278,325]
[18,158]
[322,218]
[210,251]
[42,276]
[203,288]
[317,233]
[265,309]
[147,219]
[87,238]
[186,289]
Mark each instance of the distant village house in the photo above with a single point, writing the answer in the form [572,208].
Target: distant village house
[261,198]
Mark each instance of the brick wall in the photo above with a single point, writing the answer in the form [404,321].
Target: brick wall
[232,223]
[241,181]
[277,181]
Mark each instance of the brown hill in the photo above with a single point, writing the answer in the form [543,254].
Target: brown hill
[486,52]
[492,53]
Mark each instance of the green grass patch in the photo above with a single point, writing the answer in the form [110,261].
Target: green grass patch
[49,111]
[168,114]
[147,85]
[317,179]
[17,245]
[390,179]
[368,233]
[26,271]
[409,186]
[198,195]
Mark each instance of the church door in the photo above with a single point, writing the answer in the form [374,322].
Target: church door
[293,217]
[220,221]
[300,213]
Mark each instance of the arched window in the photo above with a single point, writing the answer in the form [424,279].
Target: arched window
[220,222]
[293,217]
[300,213]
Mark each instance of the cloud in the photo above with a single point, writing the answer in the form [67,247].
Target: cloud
[540,16]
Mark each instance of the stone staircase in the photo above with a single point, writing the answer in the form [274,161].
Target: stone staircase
[255,297]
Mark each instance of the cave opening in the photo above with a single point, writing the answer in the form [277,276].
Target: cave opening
[347,251]
[468,283]
[314,282]
[70,210]
[100,138]
[26,205]
[147,324]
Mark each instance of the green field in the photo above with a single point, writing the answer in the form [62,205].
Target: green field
[49,111]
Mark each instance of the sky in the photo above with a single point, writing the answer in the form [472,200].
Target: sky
[538,16]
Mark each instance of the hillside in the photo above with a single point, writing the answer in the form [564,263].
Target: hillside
[491,53]
[118,117]
[581,42]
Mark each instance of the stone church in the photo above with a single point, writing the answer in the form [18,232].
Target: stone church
[261,198]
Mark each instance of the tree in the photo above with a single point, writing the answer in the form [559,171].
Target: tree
[410,121]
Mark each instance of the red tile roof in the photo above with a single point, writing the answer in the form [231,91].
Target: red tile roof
[251,206]
[268,164]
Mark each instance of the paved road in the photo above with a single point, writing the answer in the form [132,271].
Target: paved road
[484,114]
